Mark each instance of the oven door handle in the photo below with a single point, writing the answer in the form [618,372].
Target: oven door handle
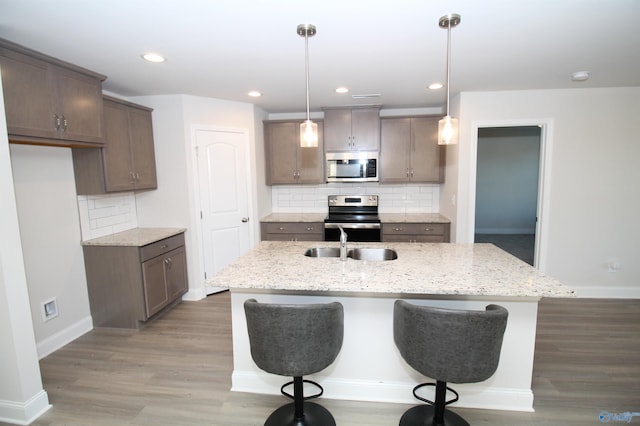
[352,225]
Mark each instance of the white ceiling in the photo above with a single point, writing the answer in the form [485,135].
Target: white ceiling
[224,48]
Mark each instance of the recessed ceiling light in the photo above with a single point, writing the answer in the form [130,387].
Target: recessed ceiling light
[254,94]
[342,90]
[580,76]
[153,57]
[436,86]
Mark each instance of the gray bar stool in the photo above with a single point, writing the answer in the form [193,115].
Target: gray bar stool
[447,345]
[295,340]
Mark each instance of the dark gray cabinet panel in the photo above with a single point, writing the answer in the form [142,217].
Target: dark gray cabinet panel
[48,101]
[128,285]
[127,160]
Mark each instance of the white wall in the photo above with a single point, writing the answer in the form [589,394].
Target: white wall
[173,203]
[50,232]
[593,196]
[22,398]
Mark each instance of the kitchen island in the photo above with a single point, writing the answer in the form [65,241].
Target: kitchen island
[369,367]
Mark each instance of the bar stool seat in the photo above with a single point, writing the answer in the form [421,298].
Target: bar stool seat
[447,345]
[295,340]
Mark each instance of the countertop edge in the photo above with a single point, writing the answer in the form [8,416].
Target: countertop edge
[136,237]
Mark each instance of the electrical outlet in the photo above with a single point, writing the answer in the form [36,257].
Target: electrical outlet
[49,309]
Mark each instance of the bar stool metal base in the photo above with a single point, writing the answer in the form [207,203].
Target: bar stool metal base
[314,415]
[423,415]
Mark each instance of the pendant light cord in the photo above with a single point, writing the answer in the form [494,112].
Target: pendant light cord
[448,61]
[306,65]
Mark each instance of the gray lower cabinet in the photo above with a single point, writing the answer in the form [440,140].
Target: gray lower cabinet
[128,285]
[292,231]
[416,232]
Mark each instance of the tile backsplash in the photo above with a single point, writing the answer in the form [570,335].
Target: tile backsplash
[409,198]
[102,215]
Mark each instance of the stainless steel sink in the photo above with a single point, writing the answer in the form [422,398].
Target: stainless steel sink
[373,254]
[323,252]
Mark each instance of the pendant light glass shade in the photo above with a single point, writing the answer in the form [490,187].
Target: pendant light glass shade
[308,129]
[448,131]
[308,134]
[448,126]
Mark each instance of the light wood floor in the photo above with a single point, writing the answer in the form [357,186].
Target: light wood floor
[177,372]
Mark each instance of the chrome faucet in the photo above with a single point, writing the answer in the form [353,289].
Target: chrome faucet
[343,244]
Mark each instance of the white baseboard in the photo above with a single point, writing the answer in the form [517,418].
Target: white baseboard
[391,392]
[61,338]
[23,413]
[601,292]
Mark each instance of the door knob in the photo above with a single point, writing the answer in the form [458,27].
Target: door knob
[245,219]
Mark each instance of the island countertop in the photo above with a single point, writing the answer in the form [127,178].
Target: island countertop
[421,268]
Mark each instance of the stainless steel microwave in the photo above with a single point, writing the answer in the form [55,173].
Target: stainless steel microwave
[351,166]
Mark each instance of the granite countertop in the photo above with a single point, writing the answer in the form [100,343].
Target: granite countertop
[136,237]
[413,218]
[294,217]
[421,268]
[384,217]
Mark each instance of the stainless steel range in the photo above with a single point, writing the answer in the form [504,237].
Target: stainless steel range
[358,216]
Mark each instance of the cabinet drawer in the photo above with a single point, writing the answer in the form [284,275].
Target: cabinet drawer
[294,227]
[414,228]
[159,247]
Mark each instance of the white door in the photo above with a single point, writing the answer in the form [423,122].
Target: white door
[222,158]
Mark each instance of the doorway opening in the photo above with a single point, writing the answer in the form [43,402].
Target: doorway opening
[507,188]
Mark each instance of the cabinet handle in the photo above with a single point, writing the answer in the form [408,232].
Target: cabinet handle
[64,123]
[309,228]
[397,229]
[282,228]
[169,262]
[428,229]
[407,171]
[56,122]
[412,172]
[164,246]
[137,177]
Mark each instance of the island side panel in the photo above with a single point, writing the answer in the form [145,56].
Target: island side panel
[370,368]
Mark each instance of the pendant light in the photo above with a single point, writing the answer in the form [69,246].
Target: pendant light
[308,129]
[448,126]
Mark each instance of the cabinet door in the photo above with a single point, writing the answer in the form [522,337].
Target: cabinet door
[154,285]
[142,150]
[337,130]
[176,273]
[394,149]
[281,152]
[365,129]
[427,156]
[28,93]
[79,100]
[118,167]
[310,161]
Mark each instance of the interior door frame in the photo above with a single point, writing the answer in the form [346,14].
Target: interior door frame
[544,176]
[195,181]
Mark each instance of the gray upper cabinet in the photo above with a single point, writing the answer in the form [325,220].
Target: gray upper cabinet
[287,162]
[127,161]
[409,150]
[352,129]
[50,102]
